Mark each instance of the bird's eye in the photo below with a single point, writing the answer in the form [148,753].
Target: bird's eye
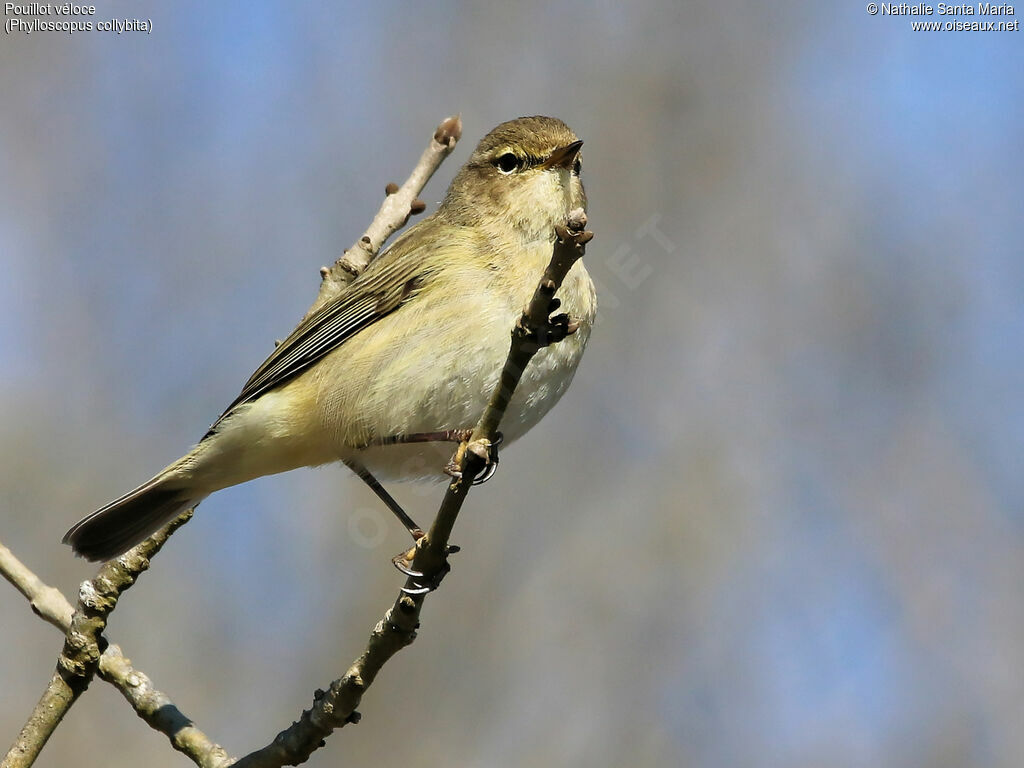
[507,163]
[577,166]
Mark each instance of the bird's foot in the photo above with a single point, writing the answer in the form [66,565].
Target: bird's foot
[419,582]
[487,449]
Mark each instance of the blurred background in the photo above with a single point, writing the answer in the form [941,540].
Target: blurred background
[778,520]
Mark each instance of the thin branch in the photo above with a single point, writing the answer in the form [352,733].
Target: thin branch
[80,657]
[48,603]
[157,709]
[336,706]
[153,706]
[399,203]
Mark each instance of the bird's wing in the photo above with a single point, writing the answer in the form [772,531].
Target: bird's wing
[373,295]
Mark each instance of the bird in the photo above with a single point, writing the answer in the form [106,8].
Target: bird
[405,354]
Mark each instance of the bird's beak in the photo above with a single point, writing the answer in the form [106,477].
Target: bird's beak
[564,157]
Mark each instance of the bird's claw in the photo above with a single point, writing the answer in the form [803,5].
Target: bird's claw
[488,471]
[492,460]
[403,562]
[422,583]
[417,589]
[452,468]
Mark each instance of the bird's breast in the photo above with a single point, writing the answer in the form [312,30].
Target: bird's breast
[427,368]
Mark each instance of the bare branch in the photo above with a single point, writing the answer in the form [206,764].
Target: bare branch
[336,706]
[157,709]
[153,706]
[399,203]
[47,602]
[82,655]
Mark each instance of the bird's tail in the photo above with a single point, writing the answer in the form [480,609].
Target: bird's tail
[124,522]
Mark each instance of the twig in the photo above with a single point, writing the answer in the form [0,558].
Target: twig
[336,706]
[80,657]
[157,709]
[153,706]
[399,203]
[48,603]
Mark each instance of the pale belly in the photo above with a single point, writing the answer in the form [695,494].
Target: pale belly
[543,383]
[451,388]
[409,377]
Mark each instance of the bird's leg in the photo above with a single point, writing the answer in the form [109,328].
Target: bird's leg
[403,560]
[460,436]
[364,474]
[444,436]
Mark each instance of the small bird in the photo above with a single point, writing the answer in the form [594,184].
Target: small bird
[407,353]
